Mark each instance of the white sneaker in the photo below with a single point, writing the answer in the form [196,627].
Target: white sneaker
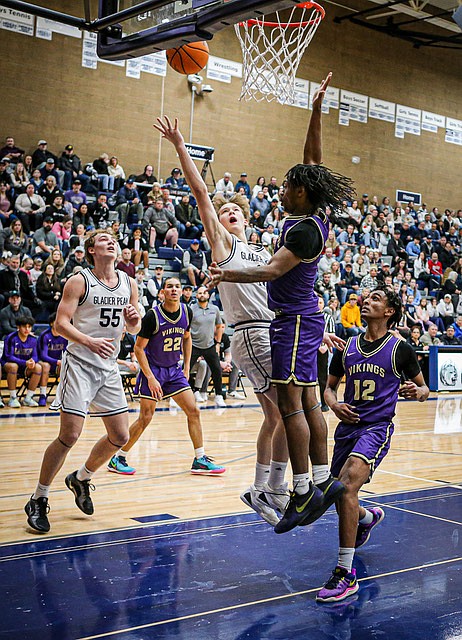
[236,395]
[256,500]
[277,497]
[199,397]
[172,404]
[30,402]
[220,401]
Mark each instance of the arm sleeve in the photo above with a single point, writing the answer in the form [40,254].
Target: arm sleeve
[9,355]
[406,361]
[304,240]
[43,350]
[336,365]
[34,354]
[148,325]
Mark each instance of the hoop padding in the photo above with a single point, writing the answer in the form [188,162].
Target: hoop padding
[272,52]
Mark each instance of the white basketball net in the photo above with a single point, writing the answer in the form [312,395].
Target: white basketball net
[272,52]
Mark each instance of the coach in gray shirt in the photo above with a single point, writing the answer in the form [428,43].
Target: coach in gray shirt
[206,330]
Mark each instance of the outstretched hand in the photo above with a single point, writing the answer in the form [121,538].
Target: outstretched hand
[216,276]
[332,341]
[321,91]
[169,131]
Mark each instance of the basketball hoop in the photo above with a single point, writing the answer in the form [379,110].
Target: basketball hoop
[272,51]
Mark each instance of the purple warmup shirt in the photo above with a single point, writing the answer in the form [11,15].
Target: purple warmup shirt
[50,347]
[372,381]
[164,348]
[293,293]
[15,350]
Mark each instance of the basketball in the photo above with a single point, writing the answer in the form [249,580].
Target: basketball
[190,58]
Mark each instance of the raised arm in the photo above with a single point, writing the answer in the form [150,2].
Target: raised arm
[280,263]
[312,152]
[214,231]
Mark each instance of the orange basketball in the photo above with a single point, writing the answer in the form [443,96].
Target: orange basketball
[190,58]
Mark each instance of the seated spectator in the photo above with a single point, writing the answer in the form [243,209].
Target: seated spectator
[63,231]
[224,185]
[360,268]
[36,180]
[446,310]
[126,359]
[76,259]
[436,271]
[5,175]
[195,263]
[99,212]
[336,280]
[116,172]
[261,204]
[396,248]
[35,272]
[51,347]
[155,284]
[175,180]
[324,287]
[100,165]
[188,217]
[331,240]
[20,357]
[11,151]
[273,188]
[410,310]
[13,279]
[160,225]
[254,237]
[450,286]
[77,239]
[44,240]
[449,338]
[14,239]
[147,177]
[30,208]
[41,154]
[348,279]
[435,314]
[140,279]
[10,314]
[458,327]
[422,313]
[56,259]
[20,178]
[259,186]
[326,261]
[49,190]
[167,199]
[243,184]
[139,248]
[26,266]
[49,170]
[430,338]
[413,248]
[414,340]
[370,281]
[82,216]
[71,164]
[269,238]
[6,205]
[76,196]
[125,264]
[187,295]
[48,291]
[228,367]
[156,192]
[59,209]
[128,203]
[399,272]
[351,316]
[347,239]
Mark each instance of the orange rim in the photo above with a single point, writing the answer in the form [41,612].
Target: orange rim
[290,25]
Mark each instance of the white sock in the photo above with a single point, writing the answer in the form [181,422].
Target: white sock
[277,473]
[41,491]
[345,558]
[301,483]
[367,518]
[320,473]
[84,473]
[199,452]
[123,454]
[43,391]
[261,474]
[29,394]
[12,393]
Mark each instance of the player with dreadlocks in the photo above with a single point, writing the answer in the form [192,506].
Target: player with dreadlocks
[374,364]
[298,327]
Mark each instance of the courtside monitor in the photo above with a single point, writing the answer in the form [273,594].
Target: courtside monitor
[129,28]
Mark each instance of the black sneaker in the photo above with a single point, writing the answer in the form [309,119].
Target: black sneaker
[81,490]
[300,509]
[37,511]
[331,489]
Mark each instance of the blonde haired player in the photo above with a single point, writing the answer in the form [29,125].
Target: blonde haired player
[95,306]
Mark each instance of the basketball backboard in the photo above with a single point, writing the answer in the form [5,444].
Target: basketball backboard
[129,28]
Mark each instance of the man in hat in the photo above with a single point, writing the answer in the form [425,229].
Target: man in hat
[187,295]
[71,164]
[49,170]
[12,312]
[76,259]
[350,316]
[12,278]
[41,154]
[44,240]
[128,202]
[195,263]
[243,184]
[175,180]
[224,185]
[76,196]
[396,248]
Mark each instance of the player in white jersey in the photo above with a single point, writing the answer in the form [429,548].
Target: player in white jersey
[245,307]
[95,307]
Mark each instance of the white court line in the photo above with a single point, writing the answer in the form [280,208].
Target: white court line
[404,475]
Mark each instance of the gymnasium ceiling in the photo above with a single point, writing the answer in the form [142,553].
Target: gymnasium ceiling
[423,23]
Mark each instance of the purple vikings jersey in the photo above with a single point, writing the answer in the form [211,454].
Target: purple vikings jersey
[50,347]
[17,351]
[286,293]
[165,346]
[372,380]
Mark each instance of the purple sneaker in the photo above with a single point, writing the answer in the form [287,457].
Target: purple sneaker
[364,530]
[42,400]
[340,585]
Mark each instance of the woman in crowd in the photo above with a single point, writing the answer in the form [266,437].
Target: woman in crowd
[335,279]
[56,260]
[6,206]
[435,315]
[14,239]
[116,172]
[48,290]
[20,178]
[139,247]
[384,238]
[359,267]
[399,271]
[63,231]
[422,313]
[36,180]
[258,186]
[83,216]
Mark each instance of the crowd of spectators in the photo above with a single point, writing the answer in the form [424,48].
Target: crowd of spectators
[49,202]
